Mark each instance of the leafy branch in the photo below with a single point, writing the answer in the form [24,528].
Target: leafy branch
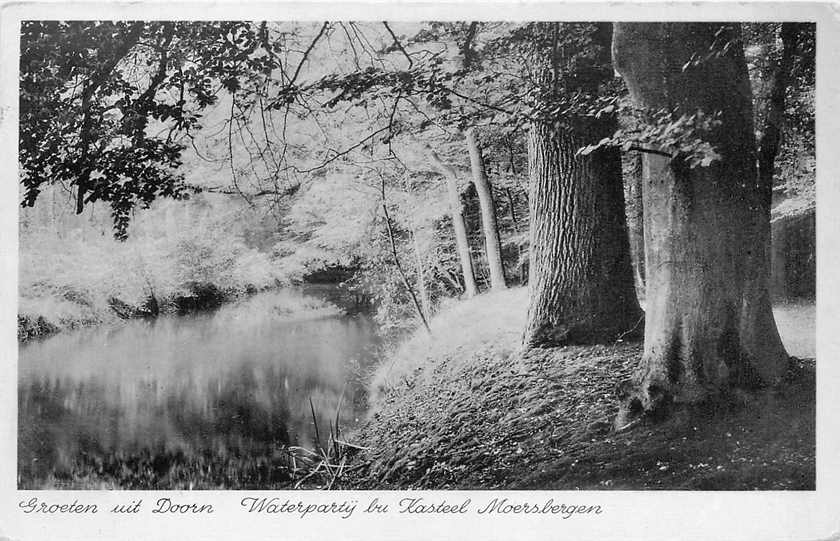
[663,132]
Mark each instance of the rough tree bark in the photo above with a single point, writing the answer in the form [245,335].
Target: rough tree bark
[635,224]
[581,282]
[493,245]
[580,278]
[709,323]
[457,211]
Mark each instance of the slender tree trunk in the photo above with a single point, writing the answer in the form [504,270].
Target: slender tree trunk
[492,244]
[515,221]
[709,322]
[422,290]
[520,262]
[523,181]
[53,215]
[398,265]
[512,209]
[457,211]
[771,138]
[581,281]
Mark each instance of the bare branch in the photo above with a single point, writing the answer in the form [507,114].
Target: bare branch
[399,45]
[397,263]
[346,151]
[261,193]
[230,150]
[652,151]
[306,53]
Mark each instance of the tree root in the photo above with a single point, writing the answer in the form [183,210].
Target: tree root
[638,405]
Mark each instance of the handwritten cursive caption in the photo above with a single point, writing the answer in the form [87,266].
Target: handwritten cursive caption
[303,509]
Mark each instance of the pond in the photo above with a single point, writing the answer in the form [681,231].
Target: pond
[212,397]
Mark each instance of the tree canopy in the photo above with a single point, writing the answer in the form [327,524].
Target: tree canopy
[298,118]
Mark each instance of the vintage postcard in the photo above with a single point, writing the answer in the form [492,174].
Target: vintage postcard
[419,271]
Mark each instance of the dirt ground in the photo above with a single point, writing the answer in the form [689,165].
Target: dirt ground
[496,420]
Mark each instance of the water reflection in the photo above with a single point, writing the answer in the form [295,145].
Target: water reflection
[234,383]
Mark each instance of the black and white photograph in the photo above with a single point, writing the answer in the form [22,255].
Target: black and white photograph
[436,256]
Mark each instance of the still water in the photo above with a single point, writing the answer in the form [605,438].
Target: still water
[233,382]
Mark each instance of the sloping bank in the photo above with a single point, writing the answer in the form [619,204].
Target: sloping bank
[464,409]
[60,309]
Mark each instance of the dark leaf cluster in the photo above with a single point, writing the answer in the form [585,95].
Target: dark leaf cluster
[104,105]
[664,132]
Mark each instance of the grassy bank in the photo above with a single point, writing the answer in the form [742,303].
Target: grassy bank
[464,409]
[63,309]
[76,282]
[42,316]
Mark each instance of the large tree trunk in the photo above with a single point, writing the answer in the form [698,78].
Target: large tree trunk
[709,323]
[635,223]
[493,246]
[778,260]
[457,211]
[580,281]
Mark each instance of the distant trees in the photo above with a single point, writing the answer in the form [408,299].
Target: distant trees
[492,245]
[580,278]
[72,271]
[456,209]
[781,61]
[418,89]
[782,71]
